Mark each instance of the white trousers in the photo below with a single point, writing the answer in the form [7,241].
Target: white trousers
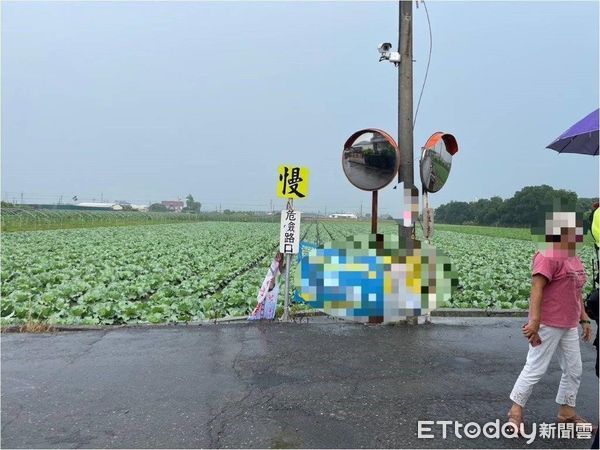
[565,343]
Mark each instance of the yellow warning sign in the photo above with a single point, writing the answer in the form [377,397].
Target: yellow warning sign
[292,182]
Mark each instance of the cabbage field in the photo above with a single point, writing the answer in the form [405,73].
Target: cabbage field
[206,270]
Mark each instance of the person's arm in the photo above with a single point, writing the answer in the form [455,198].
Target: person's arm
[585,322]
[538,282]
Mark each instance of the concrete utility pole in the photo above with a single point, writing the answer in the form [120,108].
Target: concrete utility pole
[405,102]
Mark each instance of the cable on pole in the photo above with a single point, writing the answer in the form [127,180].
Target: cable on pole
[428,62]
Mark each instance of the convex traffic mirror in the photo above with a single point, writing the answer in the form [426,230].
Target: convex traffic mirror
[436,160]
[370,159]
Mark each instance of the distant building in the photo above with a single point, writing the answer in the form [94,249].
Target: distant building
[100,206]
[173,205]
[379,142]
[343,216]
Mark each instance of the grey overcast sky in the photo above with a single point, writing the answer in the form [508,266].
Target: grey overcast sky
[151,101]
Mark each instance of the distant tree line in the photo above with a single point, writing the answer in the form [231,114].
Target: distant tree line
[158,207]
[14,205]
[523,209]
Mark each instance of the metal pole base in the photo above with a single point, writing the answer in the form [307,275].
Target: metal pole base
[286,305]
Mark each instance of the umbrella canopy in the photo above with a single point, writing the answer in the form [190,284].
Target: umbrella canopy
[580,138]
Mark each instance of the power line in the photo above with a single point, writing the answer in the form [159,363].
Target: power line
[428,62]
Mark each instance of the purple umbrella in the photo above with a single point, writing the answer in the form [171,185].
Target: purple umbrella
[580,138]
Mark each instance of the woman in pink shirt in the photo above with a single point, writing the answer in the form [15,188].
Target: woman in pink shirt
[555,310]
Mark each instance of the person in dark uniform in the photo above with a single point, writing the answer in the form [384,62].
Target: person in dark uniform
[591,308]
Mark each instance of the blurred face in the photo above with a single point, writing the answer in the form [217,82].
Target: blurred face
[564,232]
[568,240]
[567,237]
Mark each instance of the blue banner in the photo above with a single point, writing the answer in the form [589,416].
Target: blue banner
[303,250]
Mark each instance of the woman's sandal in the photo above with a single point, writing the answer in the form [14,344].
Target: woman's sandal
[572,419]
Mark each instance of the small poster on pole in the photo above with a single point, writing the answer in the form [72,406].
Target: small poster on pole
[428,221]
[289,238]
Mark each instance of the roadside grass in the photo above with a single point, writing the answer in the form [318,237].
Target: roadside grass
[36,327]
[30,326]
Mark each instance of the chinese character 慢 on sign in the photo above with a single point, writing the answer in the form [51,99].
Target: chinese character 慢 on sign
[292,182]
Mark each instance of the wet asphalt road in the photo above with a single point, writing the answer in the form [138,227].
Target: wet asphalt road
[322,385]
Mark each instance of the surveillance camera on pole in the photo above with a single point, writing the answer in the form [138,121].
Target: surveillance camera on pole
[387,55]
